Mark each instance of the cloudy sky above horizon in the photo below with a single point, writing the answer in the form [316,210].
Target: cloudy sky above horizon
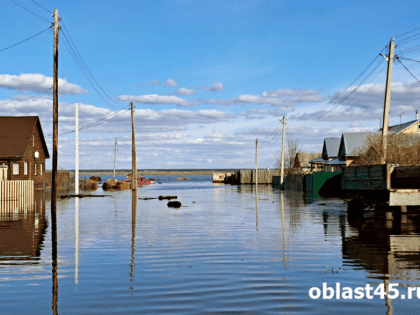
[207,77]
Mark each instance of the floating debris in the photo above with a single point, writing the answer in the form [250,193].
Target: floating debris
[174,204]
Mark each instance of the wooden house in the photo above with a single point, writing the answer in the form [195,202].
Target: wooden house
[407,127]
[23,149]
[350,144]
[329,152]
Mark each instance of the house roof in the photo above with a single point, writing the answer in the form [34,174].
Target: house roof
[401,127]
[351,141]
[15,134]
[318,160]
[330,148]
[302,159]
[336,161]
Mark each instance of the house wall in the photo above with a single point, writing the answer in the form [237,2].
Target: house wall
[412,129]
[31,160]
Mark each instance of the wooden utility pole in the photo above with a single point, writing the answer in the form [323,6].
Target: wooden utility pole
[55,116]
[134,162]
[387,98]
[282,153]
[256,162]
[76,159]
[115,154]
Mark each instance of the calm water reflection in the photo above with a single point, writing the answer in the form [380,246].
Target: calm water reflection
[228,249]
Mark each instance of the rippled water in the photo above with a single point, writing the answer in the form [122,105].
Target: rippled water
[225,251]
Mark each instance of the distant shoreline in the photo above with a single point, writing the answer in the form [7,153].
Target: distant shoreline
[151,172]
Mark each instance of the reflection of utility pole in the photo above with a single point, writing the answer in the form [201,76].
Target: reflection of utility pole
[387,98]
[76,245]
[283,223]
[55,117]
[282,153]
[256,207]
[133,235]
[134,157]
[115,154]
[256,162]
[76,159]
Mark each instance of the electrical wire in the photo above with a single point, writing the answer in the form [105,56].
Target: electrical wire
[42,7]
[346,97]
[335,98]
[82,62]
[407,32]
[22,41]
[98,122]
[408,70]
[29,11]
[82,69]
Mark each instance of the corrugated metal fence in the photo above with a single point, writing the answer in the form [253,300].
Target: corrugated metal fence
[16,195]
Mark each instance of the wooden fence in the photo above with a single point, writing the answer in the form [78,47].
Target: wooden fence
[3,174]
[16,196]
[264,176]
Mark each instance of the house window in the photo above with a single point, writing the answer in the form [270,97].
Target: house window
[35,169]
[40,169]
[25,168]
[15,168]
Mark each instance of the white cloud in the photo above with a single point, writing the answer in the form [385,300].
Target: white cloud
[184,91]
[217,86]
[171,83]
[286,99]
[154,99]
[149,83]
[39,83]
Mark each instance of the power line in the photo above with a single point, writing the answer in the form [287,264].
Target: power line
[348,95]
[25,39]
[98,122]
[82,69]
[82,62]
[71,47]
[42,7]
[335,98]
[29,11]
[408,32]
[408,70]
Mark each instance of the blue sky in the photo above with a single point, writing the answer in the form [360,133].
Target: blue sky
[207,77]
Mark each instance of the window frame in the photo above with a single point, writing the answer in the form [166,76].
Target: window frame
[16,169]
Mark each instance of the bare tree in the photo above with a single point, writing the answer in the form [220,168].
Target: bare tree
[402,149]
[293,147]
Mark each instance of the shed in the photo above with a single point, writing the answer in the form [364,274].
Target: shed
[302,160]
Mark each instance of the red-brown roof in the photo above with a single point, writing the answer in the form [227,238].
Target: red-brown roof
[15,134]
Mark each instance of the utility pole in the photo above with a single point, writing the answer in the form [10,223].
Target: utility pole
[256,162]
[282,153]
[134,162]
[387,98]
[115,154]
[55,116]
[400,116]
[76,160]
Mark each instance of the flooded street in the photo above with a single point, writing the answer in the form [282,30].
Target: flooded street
[227,250]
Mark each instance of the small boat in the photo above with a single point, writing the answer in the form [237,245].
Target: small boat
[140,181]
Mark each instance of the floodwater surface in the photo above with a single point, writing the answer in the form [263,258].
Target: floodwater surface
[227,250]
